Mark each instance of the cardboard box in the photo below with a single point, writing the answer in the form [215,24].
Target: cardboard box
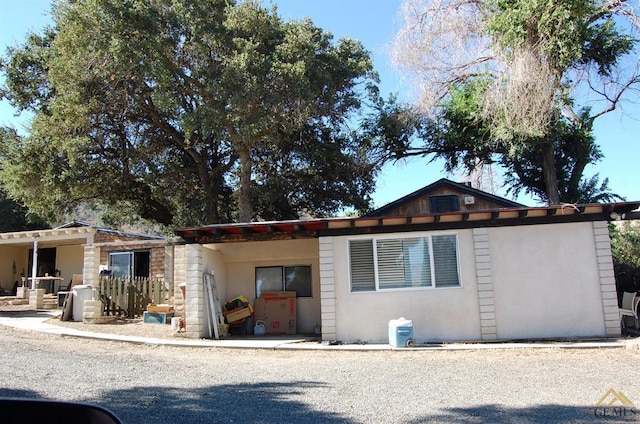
[278,314]
[238,314]
[272,307]
[280,325]
[163,307]
[277,294]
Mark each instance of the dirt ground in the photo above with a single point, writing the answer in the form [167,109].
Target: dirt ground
[121,326]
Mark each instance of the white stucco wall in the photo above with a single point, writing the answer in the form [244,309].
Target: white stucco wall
[234,265]
[437,314]
[546,281]
[552,280]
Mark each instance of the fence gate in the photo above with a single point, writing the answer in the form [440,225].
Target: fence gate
[130,297]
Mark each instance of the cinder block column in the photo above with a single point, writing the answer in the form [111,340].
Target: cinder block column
[327,289]
[179,276]
[486,298]
[91,271]
[22,292]
[36,298]
[91,310]
[607,279]
[195,302]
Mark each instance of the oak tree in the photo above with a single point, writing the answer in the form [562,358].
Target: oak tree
[178,112]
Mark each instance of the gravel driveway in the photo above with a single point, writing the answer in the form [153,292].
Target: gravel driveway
[147,384]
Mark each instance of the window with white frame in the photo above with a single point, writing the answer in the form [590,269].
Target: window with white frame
[404,263]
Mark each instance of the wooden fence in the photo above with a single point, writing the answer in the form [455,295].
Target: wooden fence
[129,297]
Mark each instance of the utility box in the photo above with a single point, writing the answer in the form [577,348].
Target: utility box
[401,333]
[80,293]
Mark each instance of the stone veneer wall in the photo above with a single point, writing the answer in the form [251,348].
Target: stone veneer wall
[157,256]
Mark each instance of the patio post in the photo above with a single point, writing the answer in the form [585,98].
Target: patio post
[34,267]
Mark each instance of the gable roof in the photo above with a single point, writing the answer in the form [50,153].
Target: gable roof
[438,185]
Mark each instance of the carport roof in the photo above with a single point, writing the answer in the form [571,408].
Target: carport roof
[75,234]
[70,233]
[311,228]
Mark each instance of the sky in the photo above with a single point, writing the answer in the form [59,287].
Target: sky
[374,23]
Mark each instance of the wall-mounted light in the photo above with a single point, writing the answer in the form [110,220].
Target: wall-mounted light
[616,216]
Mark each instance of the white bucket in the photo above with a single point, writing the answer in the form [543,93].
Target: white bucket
[260,329]
[175,323]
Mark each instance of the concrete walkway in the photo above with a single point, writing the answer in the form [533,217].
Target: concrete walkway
[36,321]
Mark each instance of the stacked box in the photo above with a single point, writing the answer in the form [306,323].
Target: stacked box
[278,312]
[163,307]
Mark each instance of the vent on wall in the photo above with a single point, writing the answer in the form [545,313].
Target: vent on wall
[469,200]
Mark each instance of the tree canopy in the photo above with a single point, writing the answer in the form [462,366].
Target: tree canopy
[14,216]
[188,112]
[537,71]
[625,249]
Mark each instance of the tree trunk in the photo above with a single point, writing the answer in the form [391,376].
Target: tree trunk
[245,205]
[549,173]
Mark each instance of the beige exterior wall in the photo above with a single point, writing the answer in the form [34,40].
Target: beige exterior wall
[546,281]
[234,267]
[68,261]
[9,254]
[437,314]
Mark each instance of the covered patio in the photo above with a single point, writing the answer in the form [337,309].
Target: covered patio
[52,256]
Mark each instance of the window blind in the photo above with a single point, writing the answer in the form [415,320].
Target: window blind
[361,261]
[445,260]
[391,264]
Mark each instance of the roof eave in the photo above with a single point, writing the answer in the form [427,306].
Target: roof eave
[287,230]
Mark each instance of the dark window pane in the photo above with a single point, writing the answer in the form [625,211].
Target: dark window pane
[298,279]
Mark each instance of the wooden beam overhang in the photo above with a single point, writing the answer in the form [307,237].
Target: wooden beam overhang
[289,230]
